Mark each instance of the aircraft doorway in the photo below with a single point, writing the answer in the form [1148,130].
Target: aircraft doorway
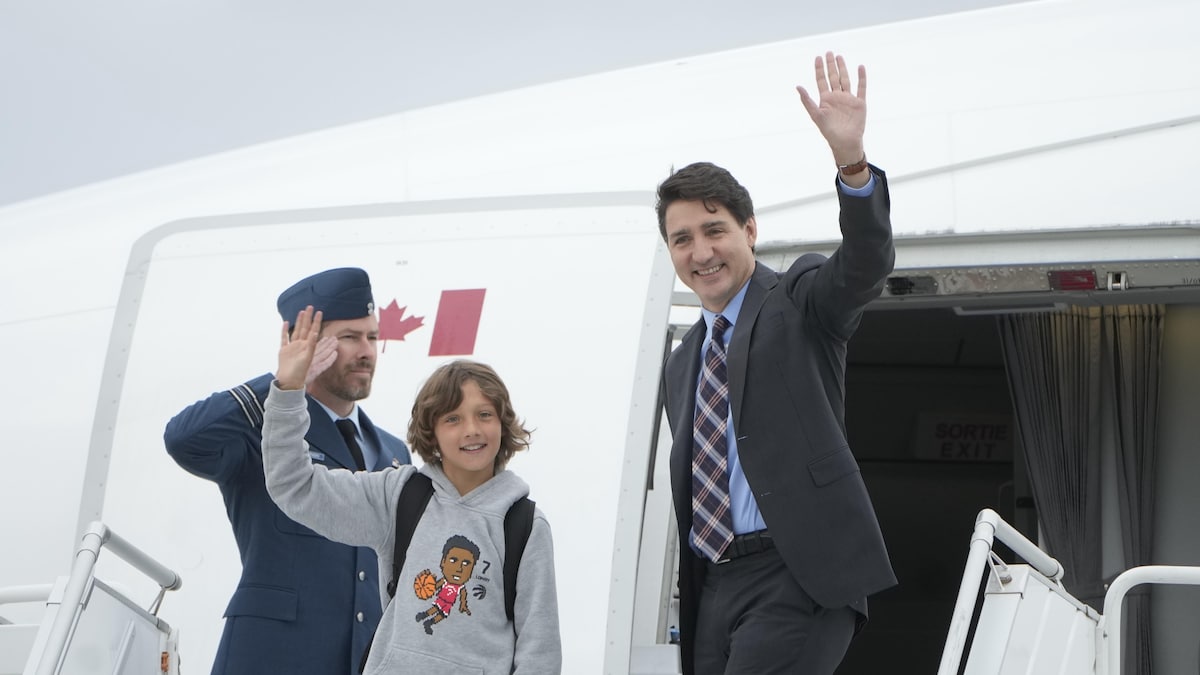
[930,419]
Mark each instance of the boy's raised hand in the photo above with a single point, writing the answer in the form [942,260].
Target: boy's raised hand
[303,355]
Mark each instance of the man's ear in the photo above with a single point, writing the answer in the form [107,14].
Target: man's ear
[751,228]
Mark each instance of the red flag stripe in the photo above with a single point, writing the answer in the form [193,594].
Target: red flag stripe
[457,323]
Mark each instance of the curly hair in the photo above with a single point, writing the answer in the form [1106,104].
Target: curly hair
[442,392]
[708,183]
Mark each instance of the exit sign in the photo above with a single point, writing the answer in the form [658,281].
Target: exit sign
[964,437]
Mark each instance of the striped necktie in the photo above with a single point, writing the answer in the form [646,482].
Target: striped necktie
[712,523]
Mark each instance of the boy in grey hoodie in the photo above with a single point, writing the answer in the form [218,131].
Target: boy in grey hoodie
[452,617]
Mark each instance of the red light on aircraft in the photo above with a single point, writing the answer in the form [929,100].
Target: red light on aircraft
[1073,280]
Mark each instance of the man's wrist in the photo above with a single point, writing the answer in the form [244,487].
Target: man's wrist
[855,168]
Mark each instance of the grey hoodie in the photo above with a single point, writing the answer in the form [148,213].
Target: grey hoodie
[460,540]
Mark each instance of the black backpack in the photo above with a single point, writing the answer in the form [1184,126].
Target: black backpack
[414,497]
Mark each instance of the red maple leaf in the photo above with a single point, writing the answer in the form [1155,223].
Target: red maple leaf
[393,325]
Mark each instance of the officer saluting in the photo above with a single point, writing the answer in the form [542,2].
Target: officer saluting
[303,603]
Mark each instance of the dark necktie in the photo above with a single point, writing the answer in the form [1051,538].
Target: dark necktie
[350,433]
[712,523]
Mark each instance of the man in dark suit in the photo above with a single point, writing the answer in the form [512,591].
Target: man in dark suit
[303,604]
[779,544]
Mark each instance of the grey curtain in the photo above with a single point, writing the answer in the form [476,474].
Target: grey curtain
[1056,367]
[1053,363]
[1137,350]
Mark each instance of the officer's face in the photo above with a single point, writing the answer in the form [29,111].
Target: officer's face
[349,378]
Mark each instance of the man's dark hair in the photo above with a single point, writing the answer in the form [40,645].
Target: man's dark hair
[708,183]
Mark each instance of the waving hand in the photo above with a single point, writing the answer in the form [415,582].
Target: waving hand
[839,113]
[303,355]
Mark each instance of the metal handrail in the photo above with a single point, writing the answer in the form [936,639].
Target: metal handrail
[1108,630]
[989,526]
[96,536]
[10,595]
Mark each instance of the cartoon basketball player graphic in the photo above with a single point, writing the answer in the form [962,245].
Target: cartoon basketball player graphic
[459,556]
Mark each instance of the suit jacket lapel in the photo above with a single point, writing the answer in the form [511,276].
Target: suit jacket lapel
[324,437]
[682,376]
[685,384]
[762,281]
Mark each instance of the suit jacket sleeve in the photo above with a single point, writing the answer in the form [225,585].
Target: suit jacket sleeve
[855,274]
[215,437]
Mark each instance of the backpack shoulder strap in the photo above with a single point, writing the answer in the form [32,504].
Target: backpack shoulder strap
[414,497]
[518,523]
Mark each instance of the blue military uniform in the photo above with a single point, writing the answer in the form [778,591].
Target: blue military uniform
[303,604]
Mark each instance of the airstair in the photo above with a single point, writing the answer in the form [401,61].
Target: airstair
[88,626]
[1028,622]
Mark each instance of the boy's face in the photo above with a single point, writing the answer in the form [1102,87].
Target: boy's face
[469,439]
[458,565]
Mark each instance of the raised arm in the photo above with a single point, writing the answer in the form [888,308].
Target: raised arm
[215,437]
[854,275]
[351,508]
[840,113]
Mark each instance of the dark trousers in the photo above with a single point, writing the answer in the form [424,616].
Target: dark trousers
[754,618]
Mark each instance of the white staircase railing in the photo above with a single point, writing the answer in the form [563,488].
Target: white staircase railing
[131,635]
[1029,622]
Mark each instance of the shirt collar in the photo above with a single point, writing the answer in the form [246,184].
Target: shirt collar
[730,313]
[335,417]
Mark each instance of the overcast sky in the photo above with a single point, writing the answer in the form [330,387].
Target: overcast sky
[96,89]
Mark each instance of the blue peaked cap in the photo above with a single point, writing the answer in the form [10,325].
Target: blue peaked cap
[343,293]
